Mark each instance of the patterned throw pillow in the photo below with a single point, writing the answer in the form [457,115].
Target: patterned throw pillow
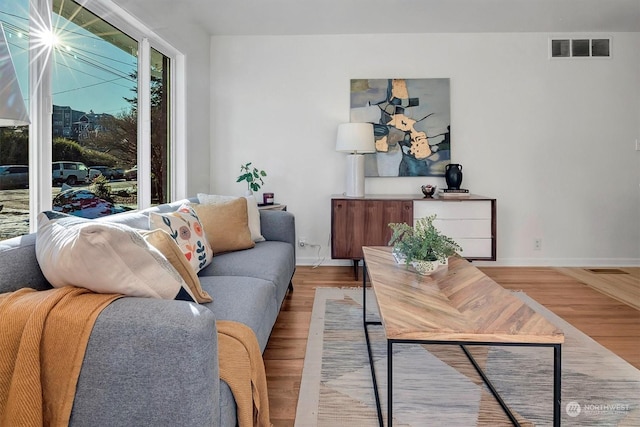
[185,228]
[162,241]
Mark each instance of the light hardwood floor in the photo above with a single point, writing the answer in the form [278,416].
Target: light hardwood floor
[622,284]
[613,324]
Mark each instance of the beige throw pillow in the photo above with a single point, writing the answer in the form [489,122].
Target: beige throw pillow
[253,212]
[162,241]
[225,225]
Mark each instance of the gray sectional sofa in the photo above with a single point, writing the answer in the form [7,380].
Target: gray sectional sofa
[152,362]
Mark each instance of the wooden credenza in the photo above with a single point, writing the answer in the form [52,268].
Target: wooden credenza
[358,222]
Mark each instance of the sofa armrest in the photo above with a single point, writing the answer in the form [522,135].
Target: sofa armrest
[278,225]
[150,362]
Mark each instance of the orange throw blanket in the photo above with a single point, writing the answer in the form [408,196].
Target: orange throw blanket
[242,368]
[42,345]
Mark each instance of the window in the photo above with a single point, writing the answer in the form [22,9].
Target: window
[105,74]
[14,141]
[94,82]
[160,127]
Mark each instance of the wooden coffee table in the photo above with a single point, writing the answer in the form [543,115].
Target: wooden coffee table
[457,306]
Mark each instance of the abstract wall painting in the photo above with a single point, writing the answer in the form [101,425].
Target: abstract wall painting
[412,124]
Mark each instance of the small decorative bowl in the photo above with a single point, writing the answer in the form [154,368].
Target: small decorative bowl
[425,267]
[428,190]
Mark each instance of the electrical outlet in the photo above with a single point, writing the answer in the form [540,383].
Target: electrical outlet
[537,244]
[302,242]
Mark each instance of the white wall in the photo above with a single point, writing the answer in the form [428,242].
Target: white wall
[551,140]
[174,25]
[195,44]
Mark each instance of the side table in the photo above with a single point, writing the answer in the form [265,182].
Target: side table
[272,207]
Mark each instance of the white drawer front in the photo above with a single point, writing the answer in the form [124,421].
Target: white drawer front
[471,228]
[475,248]
[456,209]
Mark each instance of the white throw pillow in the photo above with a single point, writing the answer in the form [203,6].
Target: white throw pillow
[104,257]
[252,211]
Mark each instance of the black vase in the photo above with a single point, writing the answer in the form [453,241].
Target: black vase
[453,176]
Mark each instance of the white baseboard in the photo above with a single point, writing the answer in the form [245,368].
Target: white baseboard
[560,262]
[326,262]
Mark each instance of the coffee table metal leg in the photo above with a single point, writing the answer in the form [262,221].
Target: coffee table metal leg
[557,390]
[557,374]
[364,294]
[366,324]
[389,383]
[492,389]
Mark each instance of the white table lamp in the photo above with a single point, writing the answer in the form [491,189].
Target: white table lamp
[12,109]
[356,139]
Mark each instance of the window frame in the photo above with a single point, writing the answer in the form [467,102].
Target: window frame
[41,107]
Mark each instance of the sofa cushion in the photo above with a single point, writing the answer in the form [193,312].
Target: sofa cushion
[162,241]
[253,213]
[105,258]
[272,261]
[246,300]
[225,225]
[19,265]
[185,228]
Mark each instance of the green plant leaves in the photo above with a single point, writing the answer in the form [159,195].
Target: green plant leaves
[423,242]
[253,176]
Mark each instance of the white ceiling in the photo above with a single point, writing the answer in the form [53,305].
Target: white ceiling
[298,17]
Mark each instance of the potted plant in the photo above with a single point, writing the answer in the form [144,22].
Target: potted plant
[423,245]
[253,176]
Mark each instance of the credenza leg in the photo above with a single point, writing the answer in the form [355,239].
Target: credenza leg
[356,268]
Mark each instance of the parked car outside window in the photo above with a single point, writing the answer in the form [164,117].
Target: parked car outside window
[95,171]
[131,174]
[70,173]
[14,176]
[117,173]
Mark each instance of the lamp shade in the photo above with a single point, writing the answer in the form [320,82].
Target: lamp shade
[12,109]
[355,138]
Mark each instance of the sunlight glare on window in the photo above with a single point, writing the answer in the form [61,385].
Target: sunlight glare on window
[48,38]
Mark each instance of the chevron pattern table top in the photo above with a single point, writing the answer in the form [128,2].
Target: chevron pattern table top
[456,304]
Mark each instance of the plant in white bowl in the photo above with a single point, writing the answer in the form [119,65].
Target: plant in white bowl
[423,245]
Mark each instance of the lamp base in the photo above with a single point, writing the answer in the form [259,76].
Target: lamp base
[355,175]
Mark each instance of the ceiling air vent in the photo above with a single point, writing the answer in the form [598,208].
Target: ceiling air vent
[580,48]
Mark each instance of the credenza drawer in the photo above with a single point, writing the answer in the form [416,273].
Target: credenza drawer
[472,228]
[475,248]
[453,209]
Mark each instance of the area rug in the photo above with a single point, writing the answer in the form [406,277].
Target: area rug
[439,387]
